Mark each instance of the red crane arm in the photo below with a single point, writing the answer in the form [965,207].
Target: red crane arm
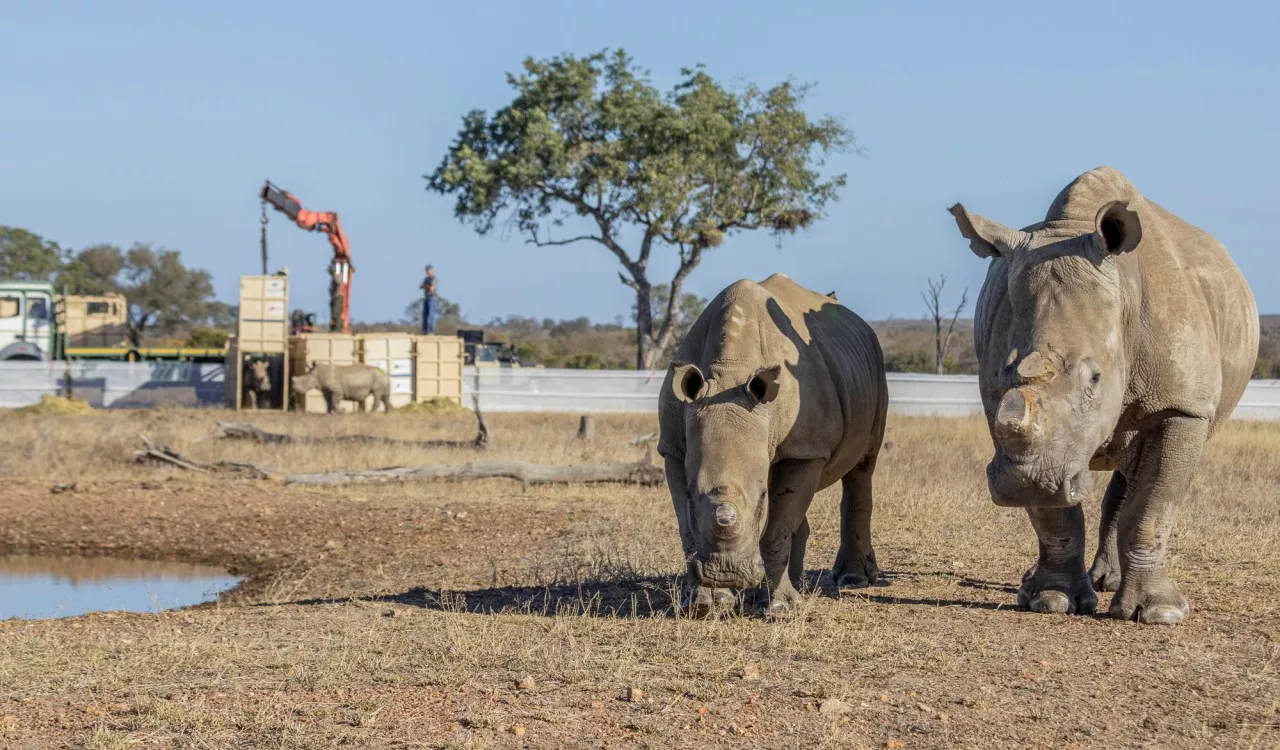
[319,221]
[327,222]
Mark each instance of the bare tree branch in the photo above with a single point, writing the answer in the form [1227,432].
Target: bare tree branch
[933,304]
[533,240]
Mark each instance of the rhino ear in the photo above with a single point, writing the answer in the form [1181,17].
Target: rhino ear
[764,384]
[1117,228]
[987,238]
[687,382]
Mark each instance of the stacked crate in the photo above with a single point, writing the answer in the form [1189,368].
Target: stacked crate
[393,354]
[309,349]
[262,329]
[437,368]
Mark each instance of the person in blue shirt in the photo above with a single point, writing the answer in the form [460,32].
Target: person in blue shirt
[429,303]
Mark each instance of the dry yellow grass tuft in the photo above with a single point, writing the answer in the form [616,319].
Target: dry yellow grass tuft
[434,406]
[55,406]
[410,615]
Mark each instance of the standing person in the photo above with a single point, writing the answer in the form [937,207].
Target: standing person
[335,297]
[429,304]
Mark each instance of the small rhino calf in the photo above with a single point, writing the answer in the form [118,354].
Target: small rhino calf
[341,383]
[257,381]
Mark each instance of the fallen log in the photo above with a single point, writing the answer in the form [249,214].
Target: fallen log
[642,472]
[167,456]
[246,431]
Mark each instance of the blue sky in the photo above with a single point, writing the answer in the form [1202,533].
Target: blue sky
[150,121]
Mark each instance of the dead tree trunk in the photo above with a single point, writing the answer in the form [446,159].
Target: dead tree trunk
[933,303]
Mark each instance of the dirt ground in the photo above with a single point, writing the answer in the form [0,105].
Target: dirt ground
[485,614]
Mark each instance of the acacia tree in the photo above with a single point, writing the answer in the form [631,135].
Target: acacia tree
[94,270]
[26,256]
[161,292]
[591,142]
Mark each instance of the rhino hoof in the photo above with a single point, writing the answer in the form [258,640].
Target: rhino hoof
[1039,595]
[1159,606]
[856,575]
[782,601]
[701,602]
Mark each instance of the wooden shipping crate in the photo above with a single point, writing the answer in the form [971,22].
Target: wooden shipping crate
[438,364]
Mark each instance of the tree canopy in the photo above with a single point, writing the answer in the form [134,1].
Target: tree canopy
[162,292]
[27,256]
[590,151]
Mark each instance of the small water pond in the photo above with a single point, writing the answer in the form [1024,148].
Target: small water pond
[41,587]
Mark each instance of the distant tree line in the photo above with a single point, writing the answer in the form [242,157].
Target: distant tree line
[165,297]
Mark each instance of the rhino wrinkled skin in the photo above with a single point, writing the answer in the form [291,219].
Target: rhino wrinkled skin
[1112,336]
[776,393]
[346,383]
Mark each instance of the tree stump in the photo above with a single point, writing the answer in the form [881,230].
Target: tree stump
[586,428]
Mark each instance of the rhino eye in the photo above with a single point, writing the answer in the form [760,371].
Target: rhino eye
[1093,372]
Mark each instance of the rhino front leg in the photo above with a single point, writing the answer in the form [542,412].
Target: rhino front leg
[1105,572]
[1059,581]
[791,488]
[1165,468]
[856,561]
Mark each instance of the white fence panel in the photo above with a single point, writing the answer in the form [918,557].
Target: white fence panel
[531,389]
[538,389]
[502,389]
[511,389]
[1261,400]
[113,384]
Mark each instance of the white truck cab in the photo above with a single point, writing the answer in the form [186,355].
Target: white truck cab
[26,320]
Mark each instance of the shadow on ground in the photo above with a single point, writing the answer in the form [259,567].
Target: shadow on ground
[633,598]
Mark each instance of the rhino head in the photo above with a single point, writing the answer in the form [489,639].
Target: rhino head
[1065,368]
[259,374]
[728,455]
[301,385]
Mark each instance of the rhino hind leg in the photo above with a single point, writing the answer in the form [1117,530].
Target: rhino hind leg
[1058,582]
[856,561]
[1165,468]
[1105,572]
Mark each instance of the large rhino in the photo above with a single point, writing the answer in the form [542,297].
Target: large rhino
[1112,336]
[341,383]
[776,393]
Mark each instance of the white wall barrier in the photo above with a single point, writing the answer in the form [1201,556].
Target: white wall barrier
[509,389]
[113,384]
[145,384]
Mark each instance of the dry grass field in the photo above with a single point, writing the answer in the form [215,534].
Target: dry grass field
[486,615]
